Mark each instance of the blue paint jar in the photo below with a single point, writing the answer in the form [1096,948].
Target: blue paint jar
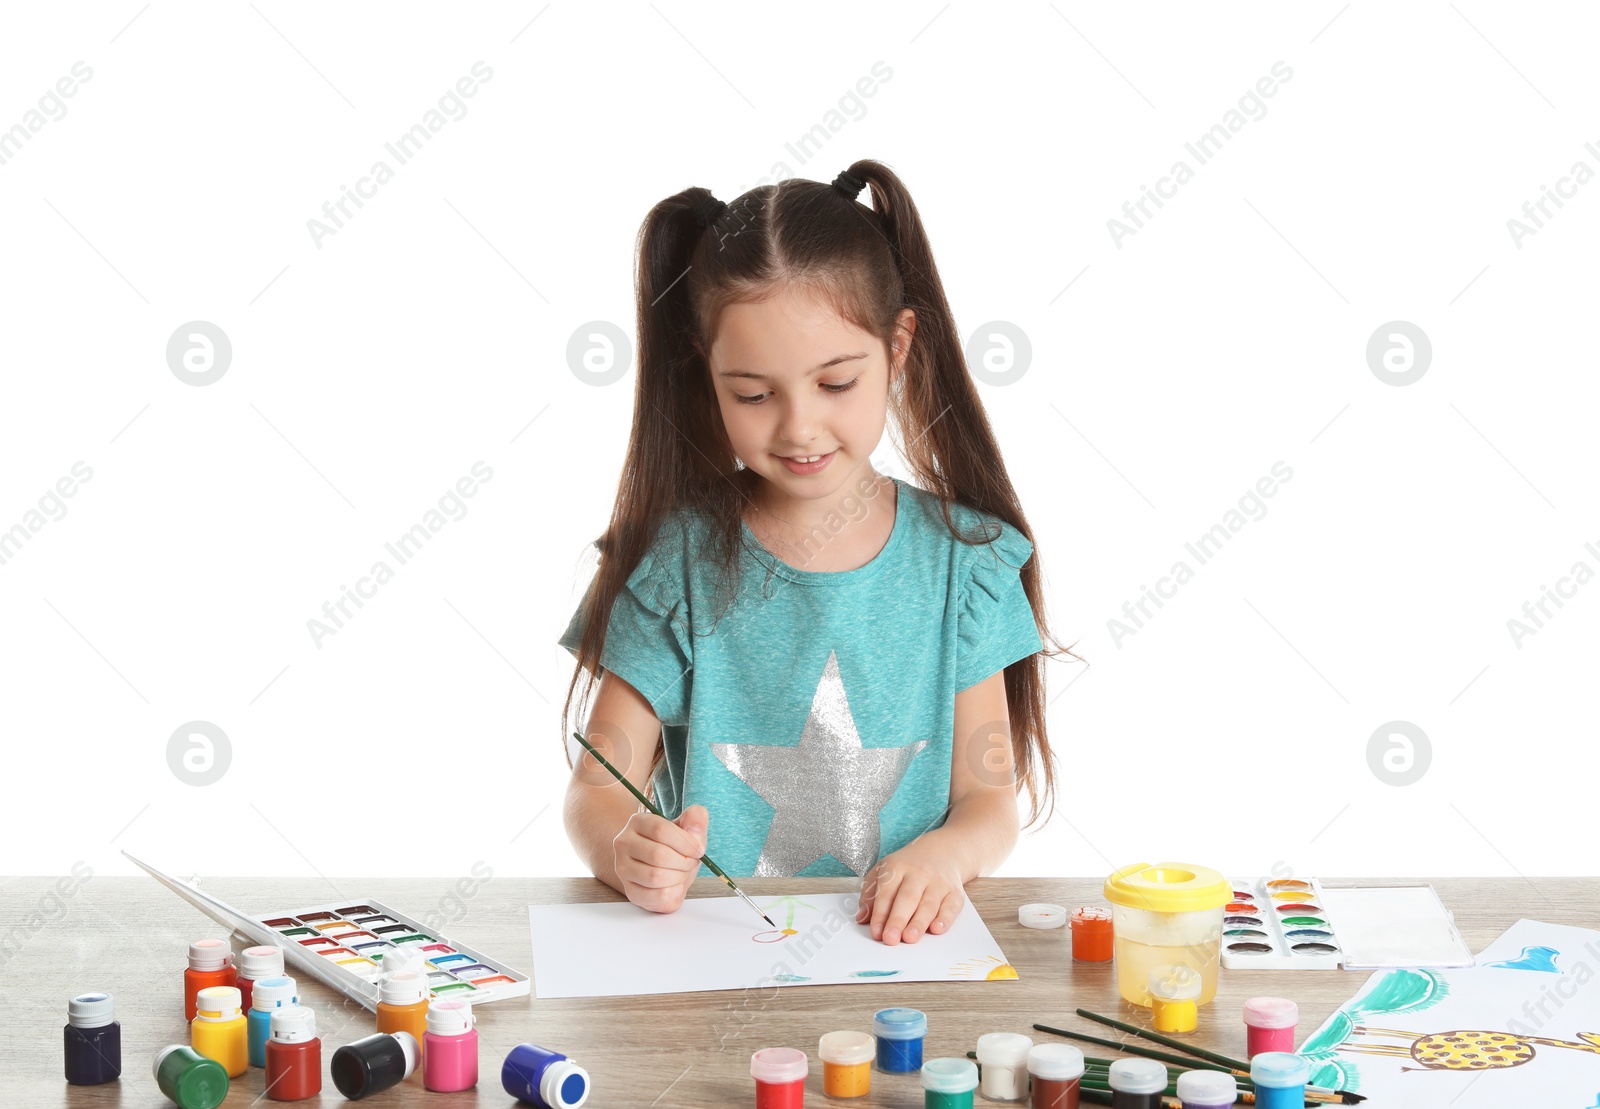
[1280,1078]
[900,1033]
[545,1078]
[267,996]
[93,1040]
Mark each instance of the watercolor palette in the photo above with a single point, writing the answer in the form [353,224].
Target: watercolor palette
[1279,924]
[352,937]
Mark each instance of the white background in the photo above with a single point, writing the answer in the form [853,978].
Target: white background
[1169,373]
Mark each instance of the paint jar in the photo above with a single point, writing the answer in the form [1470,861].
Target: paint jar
[780,1074]
[218,1030]
[210,964]
[900,1033]
[450,1057]
[1056,1071]
[403,1004]
[294,1054]
[256,963]
[1269,1024]
[1207,1089]
[270,994]
[1137,1083]
[189,1079]
[1280,1079]
[545,1078]
[373,1063]
[1003,1065]
[1173,990]
[1091,934]
[1042,916]
[93,1040]
[846,1063]
[1166,913]
[948,1083]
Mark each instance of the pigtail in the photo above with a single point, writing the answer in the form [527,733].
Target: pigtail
[673,410]
[943,432]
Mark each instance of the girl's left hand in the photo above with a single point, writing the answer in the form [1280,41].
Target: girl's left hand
[909,893]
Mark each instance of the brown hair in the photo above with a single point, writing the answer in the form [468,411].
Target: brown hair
[871,263]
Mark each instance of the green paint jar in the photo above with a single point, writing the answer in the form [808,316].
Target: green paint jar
[948,1083]
[190,1079]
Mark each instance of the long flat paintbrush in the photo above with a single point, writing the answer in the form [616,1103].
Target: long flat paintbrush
[1313,1093]
[713,867]
[1186,1062]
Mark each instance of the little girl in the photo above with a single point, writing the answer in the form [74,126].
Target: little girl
[815,668]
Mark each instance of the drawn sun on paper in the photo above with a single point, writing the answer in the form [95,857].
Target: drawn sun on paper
[988,968]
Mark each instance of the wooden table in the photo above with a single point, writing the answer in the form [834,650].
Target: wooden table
[130,935]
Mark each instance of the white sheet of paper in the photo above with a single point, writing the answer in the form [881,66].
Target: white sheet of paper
[718,943]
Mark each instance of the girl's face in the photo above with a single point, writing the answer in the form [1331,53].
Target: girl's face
[794,380]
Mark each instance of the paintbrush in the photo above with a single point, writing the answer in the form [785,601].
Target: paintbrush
[643,800]
[1133,1049]
[1237,1066]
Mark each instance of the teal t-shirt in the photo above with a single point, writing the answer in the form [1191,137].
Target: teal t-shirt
[814,721]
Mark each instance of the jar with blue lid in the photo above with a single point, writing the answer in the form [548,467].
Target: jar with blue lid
[1280,1079]
[900,1033]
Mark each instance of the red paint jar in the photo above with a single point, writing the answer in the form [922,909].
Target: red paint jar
[780,1074]
[256,963]
[1269,1024]
[294,1055]
[1091,935]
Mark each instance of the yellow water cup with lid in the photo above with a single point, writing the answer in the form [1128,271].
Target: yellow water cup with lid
[1163,915]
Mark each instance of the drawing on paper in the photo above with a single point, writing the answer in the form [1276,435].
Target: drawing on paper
[1397,993]
[1532,958]
[778,935]
[608,949]
[988,968]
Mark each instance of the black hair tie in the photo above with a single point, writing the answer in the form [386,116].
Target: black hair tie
[707,210]
[849,184]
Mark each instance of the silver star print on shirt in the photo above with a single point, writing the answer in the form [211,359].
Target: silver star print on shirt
[811,821]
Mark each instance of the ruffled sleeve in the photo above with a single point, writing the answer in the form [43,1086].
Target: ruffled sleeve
[647,640]
[995,625]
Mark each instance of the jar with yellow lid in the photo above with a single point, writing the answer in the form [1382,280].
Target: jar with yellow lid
[1166,914]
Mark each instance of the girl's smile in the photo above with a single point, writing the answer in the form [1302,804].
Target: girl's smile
[812,465]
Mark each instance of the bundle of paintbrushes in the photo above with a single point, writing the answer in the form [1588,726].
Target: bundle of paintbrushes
[1096,1070]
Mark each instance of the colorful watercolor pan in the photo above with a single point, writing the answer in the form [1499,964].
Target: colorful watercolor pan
[352,940]
[1279,924]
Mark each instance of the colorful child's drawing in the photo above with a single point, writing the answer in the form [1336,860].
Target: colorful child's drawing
[1401,997]
[778,935]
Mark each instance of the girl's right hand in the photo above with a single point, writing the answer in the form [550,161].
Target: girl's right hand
[656,859]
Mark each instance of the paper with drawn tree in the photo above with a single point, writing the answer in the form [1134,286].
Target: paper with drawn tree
[717,943]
